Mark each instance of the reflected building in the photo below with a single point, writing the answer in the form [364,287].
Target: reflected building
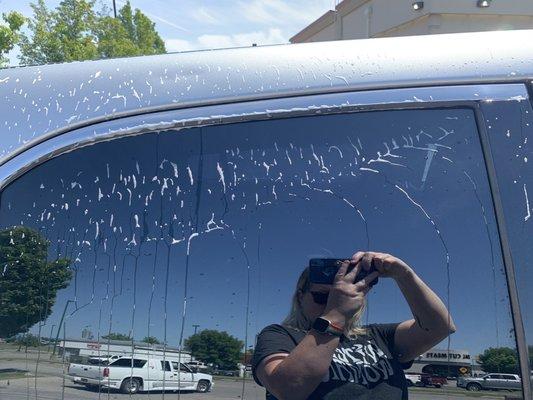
[122,348]
[444,362]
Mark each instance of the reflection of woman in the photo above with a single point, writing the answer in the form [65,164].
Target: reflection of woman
[321,352]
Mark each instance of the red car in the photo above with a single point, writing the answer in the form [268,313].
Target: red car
[432,380]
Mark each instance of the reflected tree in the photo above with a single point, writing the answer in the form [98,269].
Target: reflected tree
[215,347]
[29,282]
[151,340]
[499,359]
[116,336]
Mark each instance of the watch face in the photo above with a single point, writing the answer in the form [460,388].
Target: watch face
[321,324]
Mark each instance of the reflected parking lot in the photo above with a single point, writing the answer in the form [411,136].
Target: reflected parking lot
[17,381]
[51,388]
[117,253]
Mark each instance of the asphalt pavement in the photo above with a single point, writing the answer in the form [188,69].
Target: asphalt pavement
[50,384]
[54,388]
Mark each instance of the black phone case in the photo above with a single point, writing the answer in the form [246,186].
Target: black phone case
[323,270]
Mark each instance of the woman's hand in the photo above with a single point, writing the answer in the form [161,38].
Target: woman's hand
[346,297]
[385,264]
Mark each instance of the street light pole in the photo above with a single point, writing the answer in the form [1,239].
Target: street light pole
[195,328]
[114,8]
[59,327]
[50,336]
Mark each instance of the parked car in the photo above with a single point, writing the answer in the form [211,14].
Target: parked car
[419,143]
[432,380]
[197,366]
[140,374]
[491,382]
[222,372]
[413,379]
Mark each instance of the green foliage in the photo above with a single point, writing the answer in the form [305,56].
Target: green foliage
[29,282]
[61,35]
[218,348]
[9,34]
[145,35]
[113,39]
[116,336]
[499,359]
[27,340]
[75,32]
[151,340]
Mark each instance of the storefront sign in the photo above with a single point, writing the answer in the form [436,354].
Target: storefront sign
[444,356]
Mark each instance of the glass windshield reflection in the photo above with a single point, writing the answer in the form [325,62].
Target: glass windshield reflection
[149,247]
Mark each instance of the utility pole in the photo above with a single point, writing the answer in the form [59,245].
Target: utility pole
[114,8]
[50,337]
[195,328]
[59,327]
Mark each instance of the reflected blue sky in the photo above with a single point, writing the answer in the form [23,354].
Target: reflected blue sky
[510,125]
[202,225]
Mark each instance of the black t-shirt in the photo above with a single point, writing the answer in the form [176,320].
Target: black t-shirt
[362,368]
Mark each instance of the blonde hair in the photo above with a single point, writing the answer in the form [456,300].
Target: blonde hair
[297,319]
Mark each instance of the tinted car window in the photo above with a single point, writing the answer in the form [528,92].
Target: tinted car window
[127,362]
[97,362]
[178,366]
[156,235]
[122,362]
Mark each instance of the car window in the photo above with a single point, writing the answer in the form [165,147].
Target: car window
[127,362]
[188,242]
[181,367]
[97,362]
[122,362]
[165,365]
[138,363]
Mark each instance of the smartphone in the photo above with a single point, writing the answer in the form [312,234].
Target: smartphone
[323,270]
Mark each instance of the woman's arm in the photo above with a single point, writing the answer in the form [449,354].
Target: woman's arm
[296,376]
[432,322]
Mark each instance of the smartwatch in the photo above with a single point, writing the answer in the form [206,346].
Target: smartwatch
[323,325]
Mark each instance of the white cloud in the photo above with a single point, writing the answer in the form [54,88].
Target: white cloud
[178,45]
[167,22]
[283,12]
[156,17]
[272,36]
[204,16]
[214,41]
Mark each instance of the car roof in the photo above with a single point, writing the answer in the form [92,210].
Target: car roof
[42,99]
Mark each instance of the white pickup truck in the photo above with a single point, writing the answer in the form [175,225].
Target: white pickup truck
[141,373]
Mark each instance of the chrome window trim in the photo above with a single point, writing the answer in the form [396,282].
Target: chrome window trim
[60,142]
